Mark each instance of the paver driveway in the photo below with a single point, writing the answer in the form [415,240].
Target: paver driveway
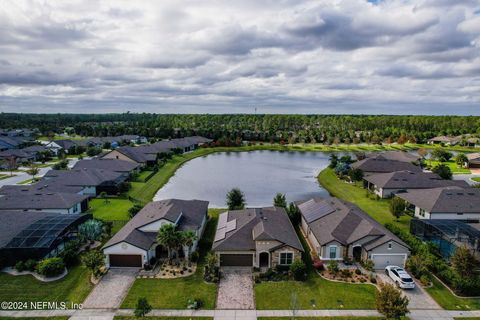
[110,291]
[418,297]
[235,290]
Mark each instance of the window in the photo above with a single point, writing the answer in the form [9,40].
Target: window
[460,214]
[333,252]
[389,246]
[286,258]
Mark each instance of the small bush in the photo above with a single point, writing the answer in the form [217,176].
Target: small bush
[51,267]
[345,273]
[30,265]
[318,264]
[20,266]
[425,280]
[358,271]
[332,266]
[298,270]
[194,256]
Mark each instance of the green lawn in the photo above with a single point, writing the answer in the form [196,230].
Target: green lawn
[4,176]
[28,181]
[175,293]
[142,177]
[378,209]
[477,179]
[74,287]
[34,318]
[114,209]
[448,301]
[456,169]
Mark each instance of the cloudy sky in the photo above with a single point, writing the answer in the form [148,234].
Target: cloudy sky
[279,56]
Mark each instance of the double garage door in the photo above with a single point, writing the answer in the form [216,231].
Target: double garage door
[236,260]
[125,260]
[383,260]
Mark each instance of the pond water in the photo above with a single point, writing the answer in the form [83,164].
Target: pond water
[259,174]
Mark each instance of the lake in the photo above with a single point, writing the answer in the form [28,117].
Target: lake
[259,174]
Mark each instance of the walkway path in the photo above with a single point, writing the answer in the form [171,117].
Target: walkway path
[101,314]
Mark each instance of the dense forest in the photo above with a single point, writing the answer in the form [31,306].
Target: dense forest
[266,127]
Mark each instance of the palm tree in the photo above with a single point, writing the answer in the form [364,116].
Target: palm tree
[168,237]
[188,238]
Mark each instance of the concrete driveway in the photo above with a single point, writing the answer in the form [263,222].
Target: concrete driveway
[418,297]
[111,290]
[235,290]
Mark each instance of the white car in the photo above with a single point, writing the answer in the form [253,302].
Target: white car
[401,278]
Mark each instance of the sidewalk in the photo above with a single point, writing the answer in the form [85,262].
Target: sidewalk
[101,314]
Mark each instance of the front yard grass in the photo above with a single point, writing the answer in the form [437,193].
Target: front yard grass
[320,318]
[110,209]
[175,293]
[378,209]
[33,318]
[160,318]
[448,301]
[477,179]
[456,169]
[73,288]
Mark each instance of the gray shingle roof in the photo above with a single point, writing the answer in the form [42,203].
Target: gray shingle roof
[473,156]
[115,165]
[395,155]
[22,200]
[82,177]
[192,214]
[255,224]
[382,165]
[346,224]
[445,200]
[411,180]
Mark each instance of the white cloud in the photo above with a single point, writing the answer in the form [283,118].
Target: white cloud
[335,56]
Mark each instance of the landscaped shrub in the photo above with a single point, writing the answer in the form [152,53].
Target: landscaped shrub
[194,256]
[425,279]
[332,266]
[318,264]
[358,271]
[20,266]
[368,265]
[298,270]
[30,265]
[51,267]
[70,253]
[346,273]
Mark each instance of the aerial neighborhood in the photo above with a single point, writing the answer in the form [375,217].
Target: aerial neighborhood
[85,210]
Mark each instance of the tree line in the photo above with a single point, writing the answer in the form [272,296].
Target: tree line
[329,129]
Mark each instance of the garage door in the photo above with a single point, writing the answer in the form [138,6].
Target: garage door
[236,260]
[125,260]
[381,261]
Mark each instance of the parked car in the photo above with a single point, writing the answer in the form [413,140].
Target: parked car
[401,278]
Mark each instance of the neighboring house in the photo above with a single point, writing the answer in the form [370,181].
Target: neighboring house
[447,235]
[132,154]
[446,140]
[58,145]
[473,160]
[34,151]
[136,243]
[258,237]
[35,235]
[24,199]
[122,166]
[93,181]
[395,156]
[19,155]
[444,203]
[385,185]
[374,165]
[472,142]
[338,229]
[7,143]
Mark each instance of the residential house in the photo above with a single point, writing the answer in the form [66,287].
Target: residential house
[136,243]
[395,156]
[122,166]
[60,145]
[18,155]
[7,143]
[445,140]
[35,235]
[374,165]
[473,160]
[93,181]
[35,151]
[337,229]
[25,199]
[258,237]
[136,155]
[386,185]
[444,203]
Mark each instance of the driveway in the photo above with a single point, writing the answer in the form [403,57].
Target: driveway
[235,290]
[418,297]
[111,290]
